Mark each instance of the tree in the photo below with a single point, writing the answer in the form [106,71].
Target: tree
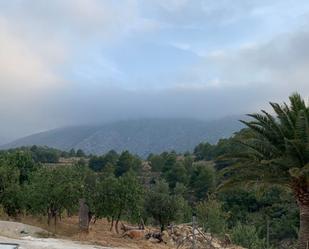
[72,153]
[96,163]
[177,173]
[80,153]
[87,188]
[212,216]
[111,157]
[277,152]
[106,200]
[156,162]
[24,162]
[45,154]
[204,151]
[10,189]
[163,207]
[202,179]
[52,190]
[127,162]
[120,197]
[130,196]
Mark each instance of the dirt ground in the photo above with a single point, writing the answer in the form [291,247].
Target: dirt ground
[49,243]
[99,234]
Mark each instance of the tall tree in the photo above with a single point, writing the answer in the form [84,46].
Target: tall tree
[127,162]
[277,152]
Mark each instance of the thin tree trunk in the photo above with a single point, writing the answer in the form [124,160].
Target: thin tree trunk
[303,235]
[142,224]
[112,224]
[55,222]
[117,221]
[48,218]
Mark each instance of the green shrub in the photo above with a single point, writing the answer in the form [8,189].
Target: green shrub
[211,216]
[247,236]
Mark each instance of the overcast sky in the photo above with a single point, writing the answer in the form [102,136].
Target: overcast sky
[66,62]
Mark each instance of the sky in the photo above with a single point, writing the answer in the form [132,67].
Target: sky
[71,62]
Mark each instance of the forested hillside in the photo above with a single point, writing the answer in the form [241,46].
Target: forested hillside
[165,189]
[140,137]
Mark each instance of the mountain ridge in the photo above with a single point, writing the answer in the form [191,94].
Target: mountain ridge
[140,136]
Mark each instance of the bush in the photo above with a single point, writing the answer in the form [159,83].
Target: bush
[247,236]
[212,217]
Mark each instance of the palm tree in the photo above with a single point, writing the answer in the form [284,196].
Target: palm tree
[277,152]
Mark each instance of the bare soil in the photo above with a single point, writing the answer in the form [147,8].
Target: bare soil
[99,234]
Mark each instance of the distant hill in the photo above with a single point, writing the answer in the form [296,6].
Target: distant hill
[141,137]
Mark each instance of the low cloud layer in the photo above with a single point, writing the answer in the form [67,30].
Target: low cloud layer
[87,61]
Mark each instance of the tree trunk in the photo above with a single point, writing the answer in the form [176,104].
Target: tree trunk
[112,224]
[301,190]
[303,235]
[55,223]
[48,218]
[117,221]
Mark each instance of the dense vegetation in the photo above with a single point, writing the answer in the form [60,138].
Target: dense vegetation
[244,186]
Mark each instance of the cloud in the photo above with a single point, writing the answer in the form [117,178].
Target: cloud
[84,61]
[282,62]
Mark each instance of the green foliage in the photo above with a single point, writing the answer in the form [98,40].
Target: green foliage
[257,206]
[72,153]
[239,203]
[80,153]
[99,163]
[86,185]
[177,174]
[24,162]
[157,162]
[130,195]
[127,162]
[10,198]
[207,151]
[170,159]
[106,199]
[52,190]
[277,153]
[96,163]
[204,151]
[247,236]
[164,207]
[45,154]
[119,197]
[277,145]
[211,216]
[202,179]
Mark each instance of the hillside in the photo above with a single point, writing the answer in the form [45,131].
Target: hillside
[141,137]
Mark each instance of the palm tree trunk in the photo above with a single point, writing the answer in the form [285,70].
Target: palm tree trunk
[303,235]
[301,190]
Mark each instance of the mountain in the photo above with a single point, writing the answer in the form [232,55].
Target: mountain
[141,136]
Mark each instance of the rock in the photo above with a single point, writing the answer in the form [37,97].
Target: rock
[182,236]
[24,232]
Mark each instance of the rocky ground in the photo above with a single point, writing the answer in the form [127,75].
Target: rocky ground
[184,236]
[67,236]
